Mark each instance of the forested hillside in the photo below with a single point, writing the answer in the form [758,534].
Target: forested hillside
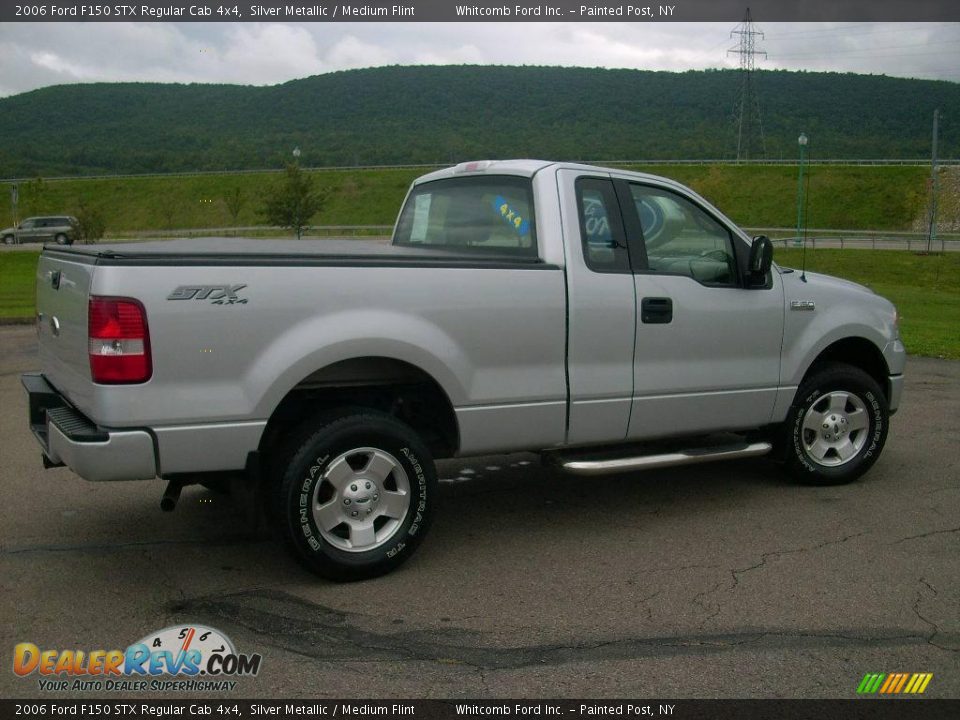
[444,114]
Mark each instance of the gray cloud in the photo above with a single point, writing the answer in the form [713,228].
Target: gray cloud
[39,54]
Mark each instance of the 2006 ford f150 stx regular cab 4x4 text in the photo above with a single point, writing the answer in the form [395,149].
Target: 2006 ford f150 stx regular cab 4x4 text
[610,320]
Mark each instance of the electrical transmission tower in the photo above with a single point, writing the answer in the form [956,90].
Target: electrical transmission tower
[750,141]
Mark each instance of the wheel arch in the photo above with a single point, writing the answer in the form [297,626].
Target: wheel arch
[388,384]
[859,352]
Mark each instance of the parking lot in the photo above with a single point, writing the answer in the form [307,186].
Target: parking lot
[719,580]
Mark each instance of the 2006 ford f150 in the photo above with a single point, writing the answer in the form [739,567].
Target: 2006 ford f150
[610,320]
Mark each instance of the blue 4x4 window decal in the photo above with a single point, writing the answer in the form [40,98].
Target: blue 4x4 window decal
[510,215]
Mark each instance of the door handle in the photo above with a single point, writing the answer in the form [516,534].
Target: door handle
[656,310]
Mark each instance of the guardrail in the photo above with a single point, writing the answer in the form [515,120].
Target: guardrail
[785,237]
[429,166]
[925,162]
[861,239]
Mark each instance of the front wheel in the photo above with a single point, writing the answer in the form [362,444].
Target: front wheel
[356,494]
[9,239]
[837,426]
[61,239]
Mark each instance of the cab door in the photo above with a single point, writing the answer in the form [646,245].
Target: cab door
[707,347]
[601,309]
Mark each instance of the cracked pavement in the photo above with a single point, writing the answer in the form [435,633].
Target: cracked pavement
[722,580]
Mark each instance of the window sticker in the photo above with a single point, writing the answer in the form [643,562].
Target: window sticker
[595,219]
[421,218]
[510,215]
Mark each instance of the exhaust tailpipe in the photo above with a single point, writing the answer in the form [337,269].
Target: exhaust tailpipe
[170,496]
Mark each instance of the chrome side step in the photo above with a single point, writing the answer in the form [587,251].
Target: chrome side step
[670,459]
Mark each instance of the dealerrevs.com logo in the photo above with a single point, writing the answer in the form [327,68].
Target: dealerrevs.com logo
[177,658]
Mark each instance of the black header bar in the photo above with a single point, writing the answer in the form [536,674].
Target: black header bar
[226,708]
[481,11]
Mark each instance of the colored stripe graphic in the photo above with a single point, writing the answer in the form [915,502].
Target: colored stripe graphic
[870,683]
[894,683]
[891,679]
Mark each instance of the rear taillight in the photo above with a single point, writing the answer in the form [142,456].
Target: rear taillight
[119,341]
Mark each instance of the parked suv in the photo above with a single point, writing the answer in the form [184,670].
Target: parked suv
[55,228]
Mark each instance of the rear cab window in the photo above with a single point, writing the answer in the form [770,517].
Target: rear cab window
[484,214]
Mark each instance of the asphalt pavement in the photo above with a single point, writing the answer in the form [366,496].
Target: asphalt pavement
[722,580]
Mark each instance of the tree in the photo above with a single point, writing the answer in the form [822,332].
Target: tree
[293,201]
[235,201]
[88,224]
[169,207]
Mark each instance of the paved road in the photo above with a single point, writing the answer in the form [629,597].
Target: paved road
[711,581]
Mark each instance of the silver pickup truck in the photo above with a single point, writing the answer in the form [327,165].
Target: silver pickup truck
[609,320]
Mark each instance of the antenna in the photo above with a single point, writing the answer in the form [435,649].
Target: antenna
[748,101]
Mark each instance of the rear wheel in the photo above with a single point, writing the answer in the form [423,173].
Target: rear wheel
[356,494]
[61,239]
[837,427]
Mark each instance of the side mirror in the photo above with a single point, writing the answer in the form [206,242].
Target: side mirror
[761,258]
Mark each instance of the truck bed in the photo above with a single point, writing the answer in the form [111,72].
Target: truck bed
[254,251]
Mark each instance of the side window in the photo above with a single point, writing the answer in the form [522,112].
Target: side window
[682,239]
[487,213]
[26,225]
[601,231]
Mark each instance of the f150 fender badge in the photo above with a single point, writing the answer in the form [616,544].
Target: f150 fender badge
[803,305]
[216,294]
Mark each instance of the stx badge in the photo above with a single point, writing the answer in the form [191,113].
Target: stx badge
[216,294]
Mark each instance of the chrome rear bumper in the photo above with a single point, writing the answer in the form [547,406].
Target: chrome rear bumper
[69,438]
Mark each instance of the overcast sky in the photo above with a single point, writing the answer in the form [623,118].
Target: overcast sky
[34,55]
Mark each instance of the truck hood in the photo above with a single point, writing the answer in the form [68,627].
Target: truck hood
[818,281]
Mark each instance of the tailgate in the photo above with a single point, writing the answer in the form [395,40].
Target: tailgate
[63,289]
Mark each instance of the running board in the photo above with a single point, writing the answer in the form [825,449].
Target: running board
[669,459]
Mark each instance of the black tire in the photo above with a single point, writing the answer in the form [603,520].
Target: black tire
[61,239]
[844,453]
[347,438]
[9,239]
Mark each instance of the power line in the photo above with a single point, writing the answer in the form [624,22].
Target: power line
[820,30]
[870,50]
[922,27]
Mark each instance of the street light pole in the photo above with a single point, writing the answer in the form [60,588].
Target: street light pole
[802,143]
[932,235]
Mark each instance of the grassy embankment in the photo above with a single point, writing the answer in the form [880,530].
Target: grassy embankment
[926,289]
[843,197]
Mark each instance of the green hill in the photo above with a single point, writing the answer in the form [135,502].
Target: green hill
[752,195]
[443,114]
